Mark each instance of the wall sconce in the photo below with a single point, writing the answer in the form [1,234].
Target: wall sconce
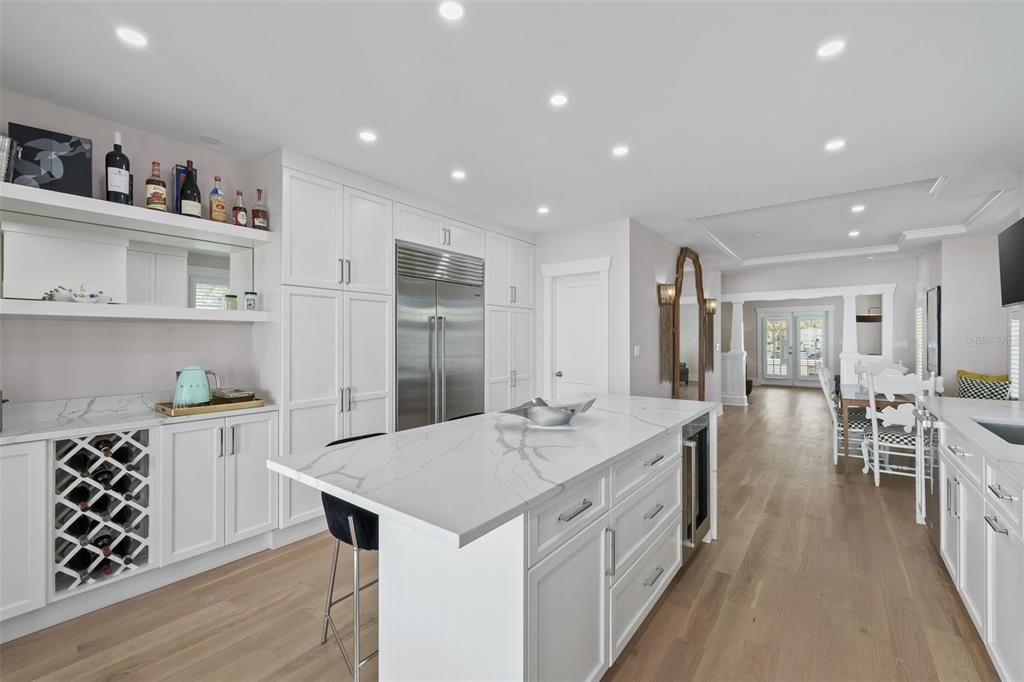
[710,306]
[666,294]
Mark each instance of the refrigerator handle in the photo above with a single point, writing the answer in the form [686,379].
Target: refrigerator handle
[432,360]
[442,370]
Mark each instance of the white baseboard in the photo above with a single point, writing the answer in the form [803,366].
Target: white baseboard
[151,579]
[736,400]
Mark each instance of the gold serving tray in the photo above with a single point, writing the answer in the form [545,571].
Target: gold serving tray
[170,410]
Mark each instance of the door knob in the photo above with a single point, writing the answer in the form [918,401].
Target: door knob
[558,374]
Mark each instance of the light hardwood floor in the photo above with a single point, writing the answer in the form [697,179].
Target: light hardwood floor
[817,575]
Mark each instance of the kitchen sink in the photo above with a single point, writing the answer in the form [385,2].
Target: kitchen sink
[1011,433]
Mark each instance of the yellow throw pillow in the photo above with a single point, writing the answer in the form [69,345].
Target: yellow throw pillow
[982,377]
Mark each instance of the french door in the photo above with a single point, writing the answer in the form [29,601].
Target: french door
[791,343]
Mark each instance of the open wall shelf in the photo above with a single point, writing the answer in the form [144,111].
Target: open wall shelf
[11,308]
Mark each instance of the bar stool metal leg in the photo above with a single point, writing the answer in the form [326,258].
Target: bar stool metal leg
[355,602]
[330,591]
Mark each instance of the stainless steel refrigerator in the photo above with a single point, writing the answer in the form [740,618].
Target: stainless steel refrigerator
[440,335]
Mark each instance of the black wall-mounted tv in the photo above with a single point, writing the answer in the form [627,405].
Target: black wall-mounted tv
[1011,263]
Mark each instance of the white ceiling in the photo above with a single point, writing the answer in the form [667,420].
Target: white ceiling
[725,106]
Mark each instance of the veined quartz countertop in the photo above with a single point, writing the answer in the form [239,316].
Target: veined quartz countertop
[461,479]
[45,420]
[960,415]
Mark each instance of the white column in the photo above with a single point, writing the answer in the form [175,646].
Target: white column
[734,363]
[849,355]
[888,347]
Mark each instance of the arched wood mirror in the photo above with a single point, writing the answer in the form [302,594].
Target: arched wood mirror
[690,328]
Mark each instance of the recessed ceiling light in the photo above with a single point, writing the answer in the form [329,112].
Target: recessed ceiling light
[871,258]
[757,235]
[559,99]
[543,210]
[367,136]
[451,11]
[209,139]
[854,233]
[621,150]
[857,208]
[831,48]
[835,145]
[132,37]
[458,174]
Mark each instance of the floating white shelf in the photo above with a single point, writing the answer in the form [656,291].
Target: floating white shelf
[17,308]
[41,202]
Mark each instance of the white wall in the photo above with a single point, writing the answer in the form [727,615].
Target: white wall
[973,325]
[57,359]
[652,260]
[609,239]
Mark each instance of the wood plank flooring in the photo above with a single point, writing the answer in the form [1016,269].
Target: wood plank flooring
[818,575]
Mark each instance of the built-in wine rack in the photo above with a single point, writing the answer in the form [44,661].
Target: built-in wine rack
[101,507]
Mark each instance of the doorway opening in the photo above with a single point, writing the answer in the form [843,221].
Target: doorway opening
[790,343]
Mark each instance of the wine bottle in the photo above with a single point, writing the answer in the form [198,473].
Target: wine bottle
[218,204]
[156,190]
[118,173]
[191,199]
[102,541]
[80,496]
[103,476]
[239,216]
[260,216]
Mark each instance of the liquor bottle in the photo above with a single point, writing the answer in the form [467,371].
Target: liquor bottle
[191,199]
[156,190]
[218,204]
[239,216]
[118,174]
[260,216]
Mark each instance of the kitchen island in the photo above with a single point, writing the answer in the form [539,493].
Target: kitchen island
[511,551]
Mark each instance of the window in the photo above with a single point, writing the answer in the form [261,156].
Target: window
[1015,353]
[919,337]
[207,287]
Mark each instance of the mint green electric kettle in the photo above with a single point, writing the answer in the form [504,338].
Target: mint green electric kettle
[193,388]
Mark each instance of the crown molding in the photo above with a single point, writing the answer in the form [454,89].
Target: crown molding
[930,233]
[820,255]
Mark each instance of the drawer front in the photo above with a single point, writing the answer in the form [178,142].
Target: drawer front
[1005,497]
[646,512]
[636,593]
[554,522]
[650,460]
[964,455]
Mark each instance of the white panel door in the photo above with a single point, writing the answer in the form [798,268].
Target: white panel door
[971,567]
[498,359]
[463,238]
[578,364]
[521,335]
[522,274]
[191,489]
[418,226]
[311,247]
[23,535]
[567,612]
[368,364]
[368,242]
[497,269]
[311,399]
[250,489]
[1005,631]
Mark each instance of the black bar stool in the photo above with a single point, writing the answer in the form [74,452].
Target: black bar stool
[359,528]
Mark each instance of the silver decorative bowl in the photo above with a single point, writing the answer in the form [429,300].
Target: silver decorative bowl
[542,414]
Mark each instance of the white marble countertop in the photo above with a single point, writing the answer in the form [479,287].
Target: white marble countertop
[459,480]
[960,415]
[45,420]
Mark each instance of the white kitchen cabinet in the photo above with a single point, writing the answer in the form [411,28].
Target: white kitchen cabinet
[509,267]
[311,227]
[250,489]
[1005,597]
[23,534]
[971,524]
[367,364]
[521,269]
[949,530]
[191,489]
[498,368]
[462,238]
[368,243]
[429,229]
[567,609]
[521,343]
[157,275]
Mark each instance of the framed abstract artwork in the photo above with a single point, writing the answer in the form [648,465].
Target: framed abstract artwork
[49,160]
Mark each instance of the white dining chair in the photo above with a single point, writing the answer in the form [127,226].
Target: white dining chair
[894,430]
[858,423]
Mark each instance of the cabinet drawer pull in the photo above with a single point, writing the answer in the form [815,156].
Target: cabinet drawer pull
[573,513]
[994,523]
[959,451]
[611,547]
[654,460]
[232,440]
[341,271]
[654,577]
[997,490]
[655,510]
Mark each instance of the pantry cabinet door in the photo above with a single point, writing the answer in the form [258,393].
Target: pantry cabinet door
[497,263]
[522,273]
[368,372]
[970,511]
[521,335]
[311,392]
[191,489]
[418,226]
[1005,631]
[250,488]
[23,534]
[369,243]
[311,227]
[498,358]
[463,238]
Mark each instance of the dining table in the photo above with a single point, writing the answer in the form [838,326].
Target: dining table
[855,395]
